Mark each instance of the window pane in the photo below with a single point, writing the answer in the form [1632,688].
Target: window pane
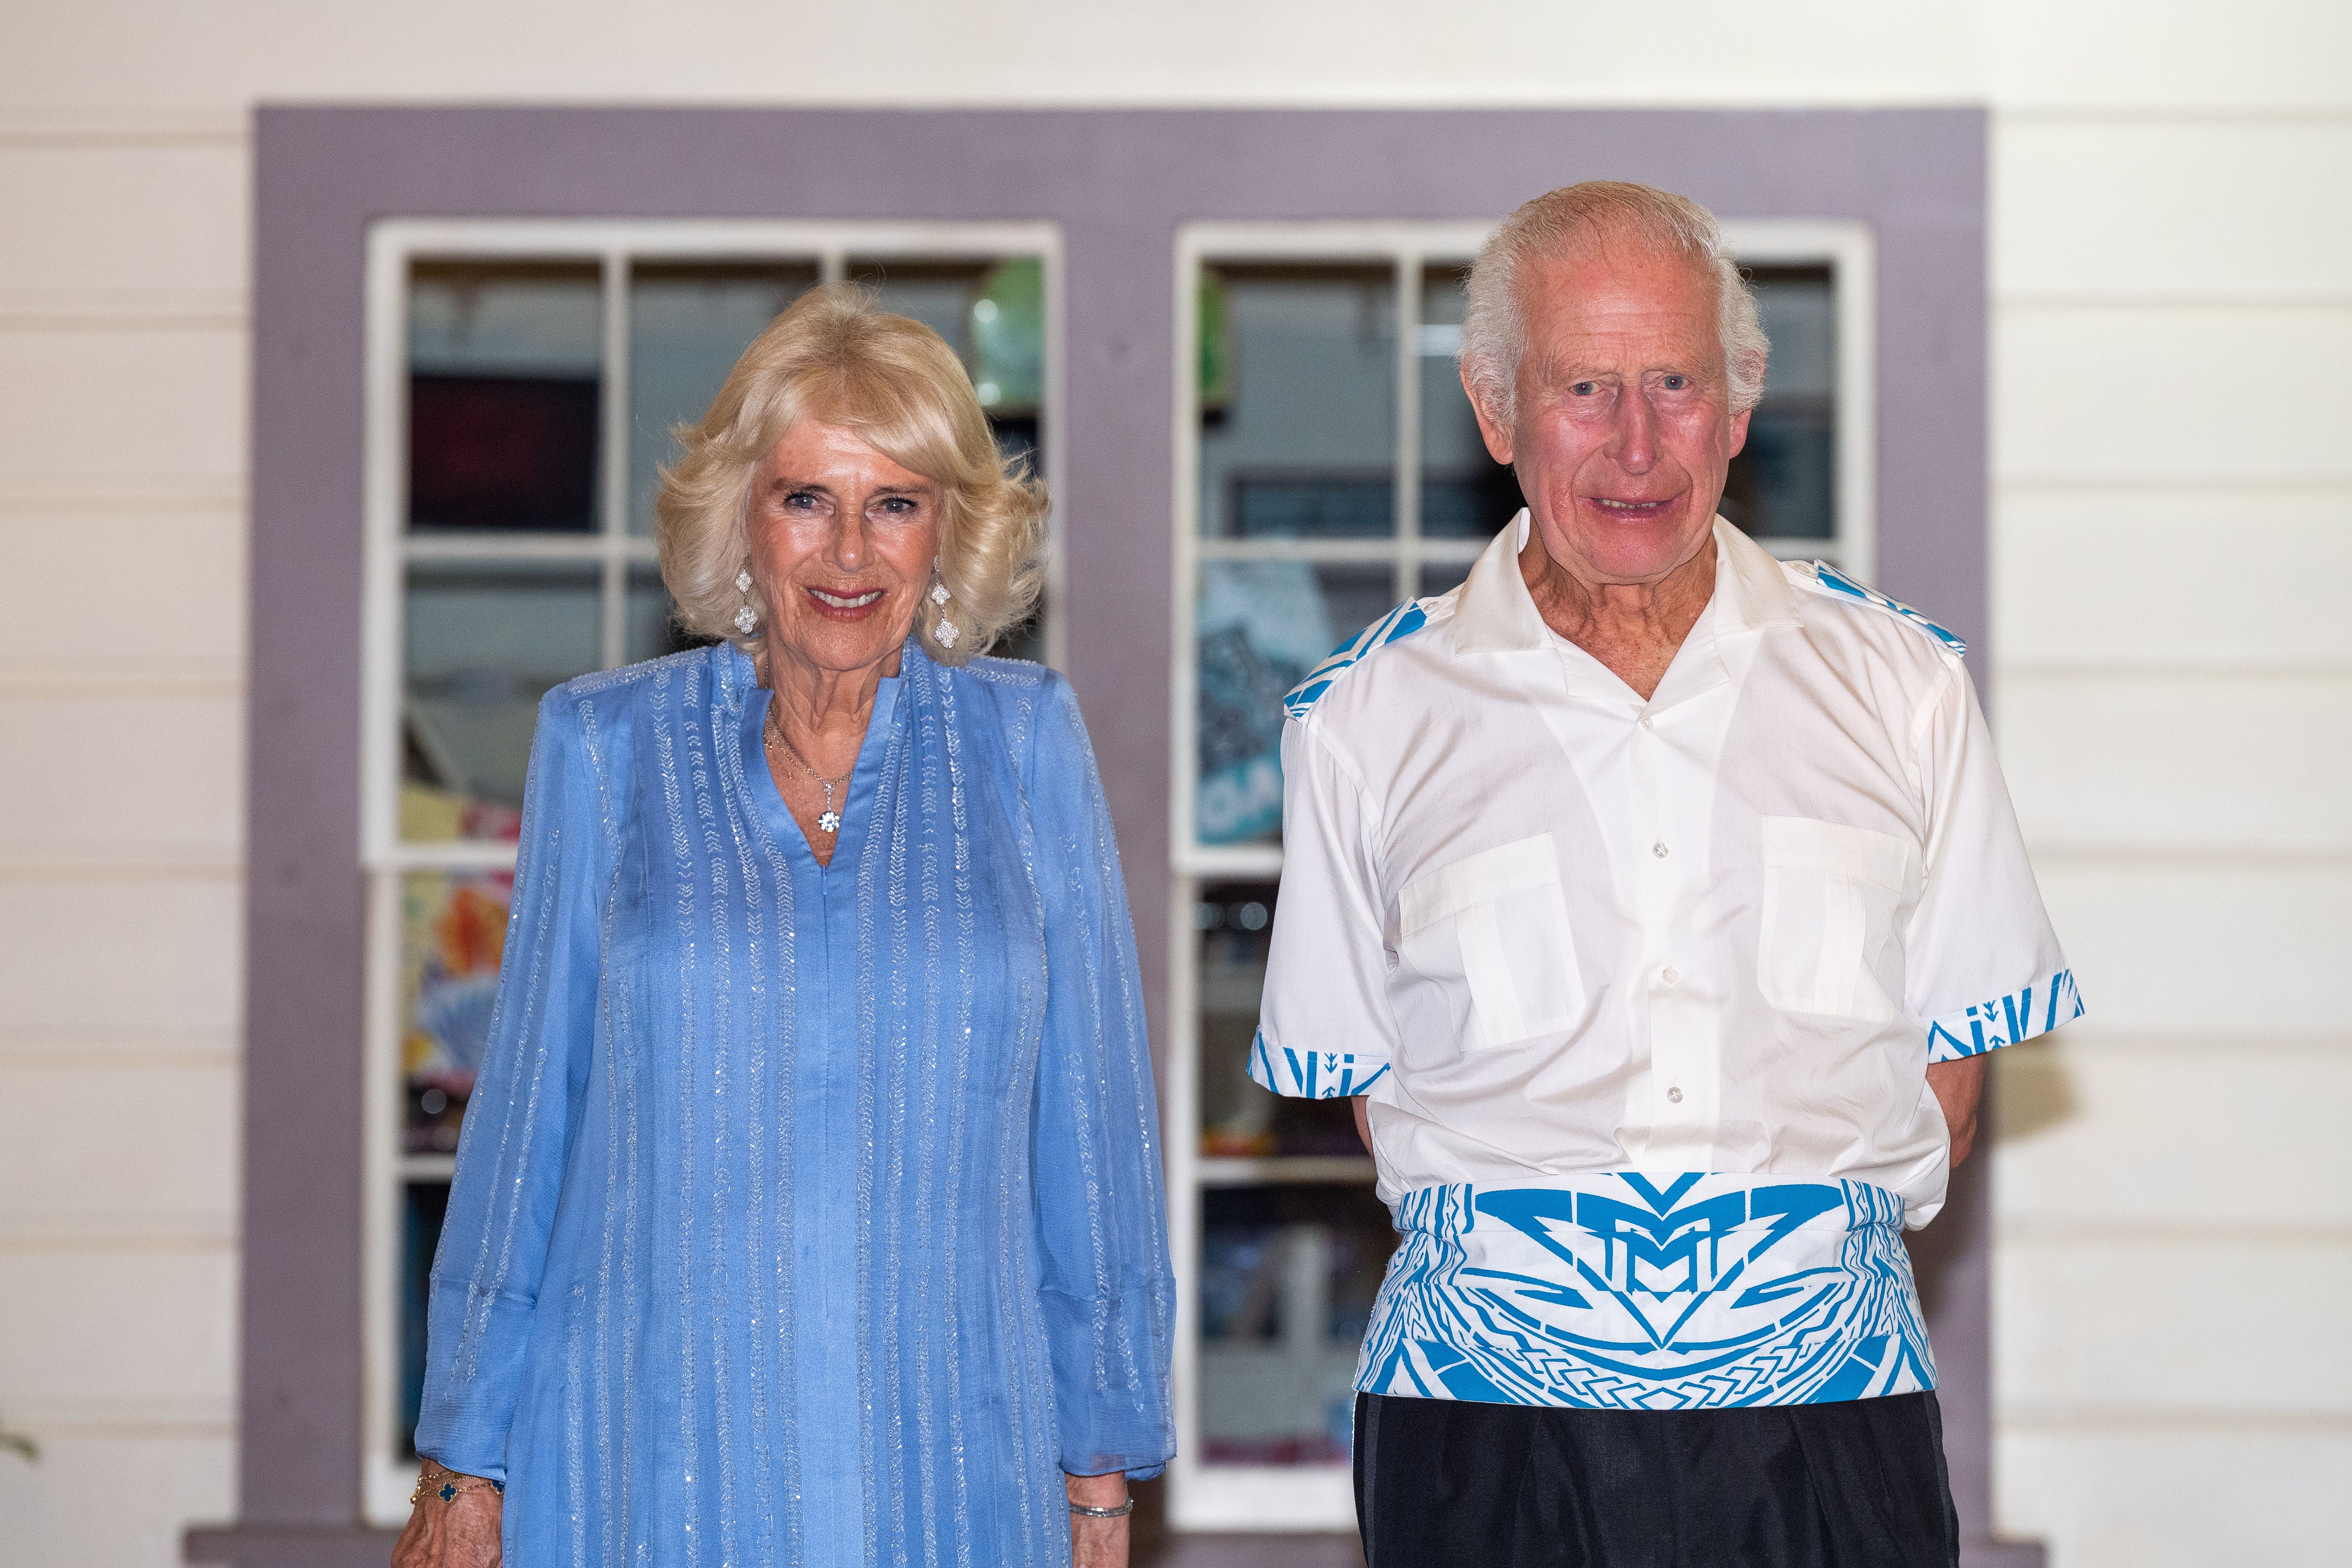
[503,366]
[938,293]
[453,930]
[1783,485]
[689,323]
[1233,922]
[1261,626]
[1442,577]
[1298,402]
[424,1206]
[485,643]
[652,630]
[1464,493]
[1007,321]
[1287,1278]
[1025,641]
[993,314]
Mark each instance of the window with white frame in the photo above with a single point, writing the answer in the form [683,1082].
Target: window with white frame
[524,379]
[1327,467]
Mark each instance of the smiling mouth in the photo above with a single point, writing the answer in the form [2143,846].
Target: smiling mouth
[1632,508]
[844,606]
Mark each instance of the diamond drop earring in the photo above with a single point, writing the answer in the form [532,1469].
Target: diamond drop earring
[946,629]
[747,619]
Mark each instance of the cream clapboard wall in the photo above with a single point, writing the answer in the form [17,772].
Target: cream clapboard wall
[2173,568]
[2172,267]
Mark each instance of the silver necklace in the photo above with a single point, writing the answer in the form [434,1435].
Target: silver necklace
[827,820]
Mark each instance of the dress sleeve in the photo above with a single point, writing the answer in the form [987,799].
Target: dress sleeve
[510,1157]
[1983,969]
[1324,1028]
[1108,1289]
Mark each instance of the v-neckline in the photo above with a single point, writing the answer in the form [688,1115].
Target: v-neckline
[857,793]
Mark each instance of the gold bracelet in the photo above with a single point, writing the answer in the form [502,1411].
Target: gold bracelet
[450,1486]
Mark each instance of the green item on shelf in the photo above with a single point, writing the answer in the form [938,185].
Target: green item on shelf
[1216,362]
[1008,337]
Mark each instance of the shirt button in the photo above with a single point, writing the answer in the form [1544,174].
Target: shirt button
[1659,849]
[1646,724]
[1670,974]
[1674,1095]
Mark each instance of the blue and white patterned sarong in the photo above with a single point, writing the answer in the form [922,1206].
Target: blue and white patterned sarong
[1649,1292]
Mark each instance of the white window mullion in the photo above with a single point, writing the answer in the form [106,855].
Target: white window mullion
[1184,585]
[1853,277]
[1050,406]
[1182,1088]
[386,1480]
[584,548]
[1225,1496]
[1325,550]
[612,480]
[384,507]
[391,550]
[1407,459]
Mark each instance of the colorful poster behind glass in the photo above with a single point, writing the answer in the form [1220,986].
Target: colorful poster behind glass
[1261,626]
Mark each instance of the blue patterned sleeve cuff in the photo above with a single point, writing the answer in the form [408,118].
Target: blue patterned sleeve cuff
[2006,1020]
[1312,1075]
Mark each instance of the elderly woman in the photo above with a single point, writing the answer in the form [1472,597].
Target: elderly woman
[809,1209]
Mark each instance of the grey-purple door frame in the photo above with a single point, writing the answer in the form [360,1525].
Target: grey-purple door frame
[1119,183]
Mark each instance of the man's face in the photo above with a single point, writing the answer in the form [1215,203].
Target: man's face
[1624,427]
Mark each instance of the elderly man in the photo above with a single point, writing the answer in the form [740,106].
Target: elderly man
[1658,902]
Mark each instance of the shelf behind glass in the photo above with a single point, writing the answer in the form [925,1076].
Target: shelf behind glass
[505,366]
[1464,493]
[1242,1124]
[689,323]
[1783,483]
[1297,437]
[484,642]
[1259,628]
[1285,1286]
[1278,1169]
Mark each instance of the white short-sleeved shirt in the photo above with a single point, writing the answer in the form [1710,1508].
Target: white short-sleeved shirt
[1580,948]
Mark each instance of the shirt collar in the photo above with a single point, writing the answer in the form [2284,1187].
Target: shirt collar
[1752,591]
[1496,615]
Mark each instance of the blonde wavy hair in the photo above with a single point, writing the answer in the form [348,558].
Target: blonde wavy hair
[838,356]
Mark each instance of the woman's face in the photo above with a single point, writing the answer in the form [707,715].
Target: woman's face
[842,544]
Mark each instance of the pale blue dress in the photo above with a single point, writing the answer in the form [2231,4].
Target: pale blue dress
[807,1216]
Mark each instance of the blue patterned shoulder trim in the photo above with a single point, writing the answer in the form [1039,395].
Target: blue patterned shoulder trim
[1828,579]
[1401,622]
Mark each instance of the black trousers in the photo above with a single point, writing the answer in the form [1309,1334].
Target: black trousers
[1861,1484]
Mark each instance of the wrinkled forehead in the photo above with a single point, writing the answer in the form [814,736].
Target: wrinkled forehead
[1618,295]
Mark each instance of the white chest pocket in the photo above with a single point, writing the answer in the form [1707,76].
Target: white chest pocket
[1830,897]
[1494,926]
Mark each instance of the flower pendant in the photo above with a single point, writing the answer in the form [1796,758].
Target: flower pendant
[829,821]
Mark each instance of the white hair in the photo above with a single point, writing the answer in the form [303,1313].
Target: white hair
[1494,330]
